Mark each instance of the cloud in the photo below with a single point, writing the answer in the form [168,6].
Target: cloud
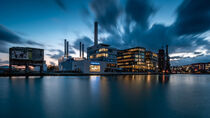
[4,62]
[3,47]
[188,60]
[8,37]
[84,40]
[106,13]
[61,4]
[193,17]
[127,26]
[139,11]
[59,54]
[34,43]
[52,63]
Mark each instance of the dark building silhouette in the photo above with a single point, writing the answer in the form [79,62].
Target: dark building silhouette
[167,65]
[83,51]
[164,61]
[80,49]
[161,60]
[64,47]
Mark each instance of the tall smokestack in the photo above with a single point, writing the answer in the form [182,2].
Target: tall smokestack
[67,49]
[96,33]
[64,47]
[80,49]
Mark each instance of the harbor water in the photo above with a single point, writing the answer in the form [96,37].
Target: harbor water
[117,96]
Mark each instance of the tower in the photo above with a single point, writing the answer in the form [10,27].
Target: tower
[96,33]
[64,47]
[67,49]
[168,70]
[80,49]
[161,60]
[83,50]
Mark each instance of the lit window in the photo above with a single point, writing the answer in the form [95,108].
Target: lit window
[91,57]
[95,68]
[103,50]
[102,55]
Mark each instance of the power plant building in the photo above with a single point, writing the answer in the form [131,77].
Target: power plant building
[102,58]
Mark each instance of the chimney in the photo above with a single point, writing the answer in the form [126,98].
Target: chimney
[96,33]
[80,49]
[64,47]
[67,49]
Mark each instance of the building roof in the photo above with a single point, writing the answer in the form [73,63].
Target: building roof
[25,48]
[132,48]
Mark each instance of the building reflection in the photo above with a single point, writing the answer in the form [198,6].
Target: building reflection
[164,79]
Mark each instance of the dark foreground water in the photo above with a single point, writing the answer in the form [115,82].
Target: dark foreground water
[128,96]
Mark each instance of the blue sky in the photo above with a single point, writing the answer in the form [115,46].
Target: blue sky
[48,22]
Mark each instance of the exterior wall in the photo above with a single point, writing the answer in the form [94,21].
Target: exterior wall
[65,64]
[102,52]
[161,60]
[132,60]
[207,67]
[151,60]
[84,66]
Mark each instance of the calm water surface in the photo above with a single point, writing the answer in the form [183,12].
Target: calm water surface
[145,96]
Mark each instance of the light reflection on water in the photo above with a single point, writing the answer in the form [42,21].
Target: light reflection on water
[171,96]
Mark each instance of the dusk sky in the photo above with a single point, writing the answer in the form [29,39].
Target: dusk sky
[182,24]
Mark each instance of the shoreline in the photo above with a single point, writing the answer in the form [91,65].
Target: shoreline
[88,74]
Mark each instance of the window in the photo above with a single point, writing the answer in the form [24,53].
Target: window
[95,68]
[102,55]
[91,57]
[103,50]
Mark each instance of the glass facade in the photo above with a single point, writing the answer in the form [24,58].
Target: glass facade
[151,60]
[132,60]
[137,60]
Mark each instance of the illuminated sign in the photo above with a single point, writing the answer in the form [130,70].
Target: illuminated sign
[94,63]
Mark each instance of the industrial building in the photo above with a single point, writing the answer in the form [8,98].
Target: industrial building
[103,58]
[25,56]
[101,52]
[100,58]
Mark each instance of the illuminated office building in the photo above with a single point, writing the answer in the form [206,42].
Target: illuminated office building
[132,60]
[151,60]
